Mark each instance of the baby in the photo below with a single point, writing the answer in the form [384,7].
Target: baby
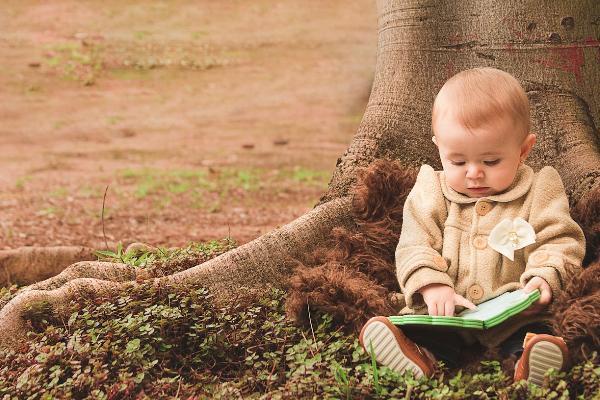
[449,254]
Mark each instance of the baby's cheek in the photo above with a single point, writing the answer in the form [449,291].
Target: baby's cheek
[455,181]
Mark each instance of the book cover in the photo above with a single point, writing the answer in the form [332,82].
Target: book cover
[487,315]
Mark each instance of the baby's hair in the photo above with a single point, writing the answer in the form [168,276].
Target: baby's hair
[478,95]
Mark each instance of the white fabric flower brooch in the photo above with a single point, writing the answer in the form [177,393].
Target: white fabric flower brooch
[508,236]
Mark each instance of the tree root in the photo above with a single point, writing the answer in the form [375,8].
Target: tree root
[26,265]
[244,267]
[114,272]
[14,327]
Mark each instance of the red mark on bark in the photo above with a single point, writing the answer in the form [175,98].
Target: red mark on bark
[569,59]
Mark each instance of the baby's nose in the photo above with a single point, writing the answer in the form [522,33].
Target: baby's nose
[474,171]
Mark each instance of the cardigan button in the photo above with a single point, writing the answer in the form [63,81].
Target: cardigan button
[480,242]
[483,207]
[475,292]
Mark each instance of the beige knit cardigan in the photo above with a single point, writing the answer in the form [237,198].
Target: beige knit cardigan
[444,240]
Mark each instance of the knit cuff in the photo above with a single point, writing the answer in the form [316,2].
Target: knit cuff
[549,274]
[547,265]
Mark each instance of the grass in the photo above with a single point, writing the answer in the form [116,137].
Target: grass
[162,256]
[141,35]
[307,176]
[59,192]
[114,119]
[85,61]
[59,124]
[50,211]
[208,189]
[148,180]
[20,182]
[172,343]
[75,61]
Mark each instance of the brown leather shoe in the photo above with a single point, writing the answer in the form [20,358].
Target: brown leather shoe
[393,349]
[540,353]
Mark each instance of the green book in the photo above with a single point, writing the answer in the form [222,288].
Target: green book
[487,315]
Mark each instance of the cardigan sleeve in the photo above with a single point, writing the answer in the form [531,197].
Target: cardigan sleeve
[558,252]
[418,259]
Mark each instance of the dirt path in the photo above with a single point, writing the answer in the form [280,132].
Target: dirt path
[205,119]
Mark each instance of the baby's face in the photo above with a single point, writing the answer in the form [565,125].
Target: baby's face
[483,161]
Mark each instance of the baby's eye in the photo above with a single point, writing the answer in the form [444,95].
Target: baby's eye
[457,162]
[492,162]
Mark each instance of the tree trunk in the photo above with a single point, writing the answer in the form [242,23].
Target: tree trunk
[551,47]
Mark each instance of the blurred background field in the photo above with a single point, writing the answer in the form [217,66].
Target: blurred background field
[206,119]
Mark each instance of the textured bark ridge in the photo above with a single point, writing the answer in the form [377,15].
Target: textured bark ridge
[420,45]
[32,264]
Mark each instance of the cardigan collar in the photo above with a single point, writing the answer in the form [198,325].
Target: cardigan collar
[521,185]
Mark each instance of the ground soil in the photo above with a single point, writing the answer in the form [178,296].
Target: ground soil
[204,119]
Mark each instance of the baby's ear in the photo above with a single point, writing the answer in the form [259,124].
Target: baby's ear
[527,145]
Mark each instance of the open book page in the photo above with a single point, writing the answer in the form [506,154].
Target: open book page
[491,308]
[488,314]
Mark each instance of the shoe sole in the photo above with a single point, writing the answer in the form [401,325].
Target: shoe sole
[543,356]
[388,346]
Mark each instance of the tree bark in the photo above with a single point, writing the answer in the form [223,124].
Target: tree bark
[32,264]
[551,47]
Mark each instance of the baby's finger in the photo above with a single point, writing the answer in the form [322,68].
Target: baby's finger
[461,301]
[440,308]
[545,297]
[449,309]
[534,283]
[431,308]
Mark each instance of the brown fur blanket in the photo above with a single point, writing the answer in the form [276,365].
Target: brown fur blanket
[353,277]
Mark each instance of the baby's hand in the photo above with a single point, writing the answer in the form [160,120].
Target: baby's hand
[546,295]
[441,299]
